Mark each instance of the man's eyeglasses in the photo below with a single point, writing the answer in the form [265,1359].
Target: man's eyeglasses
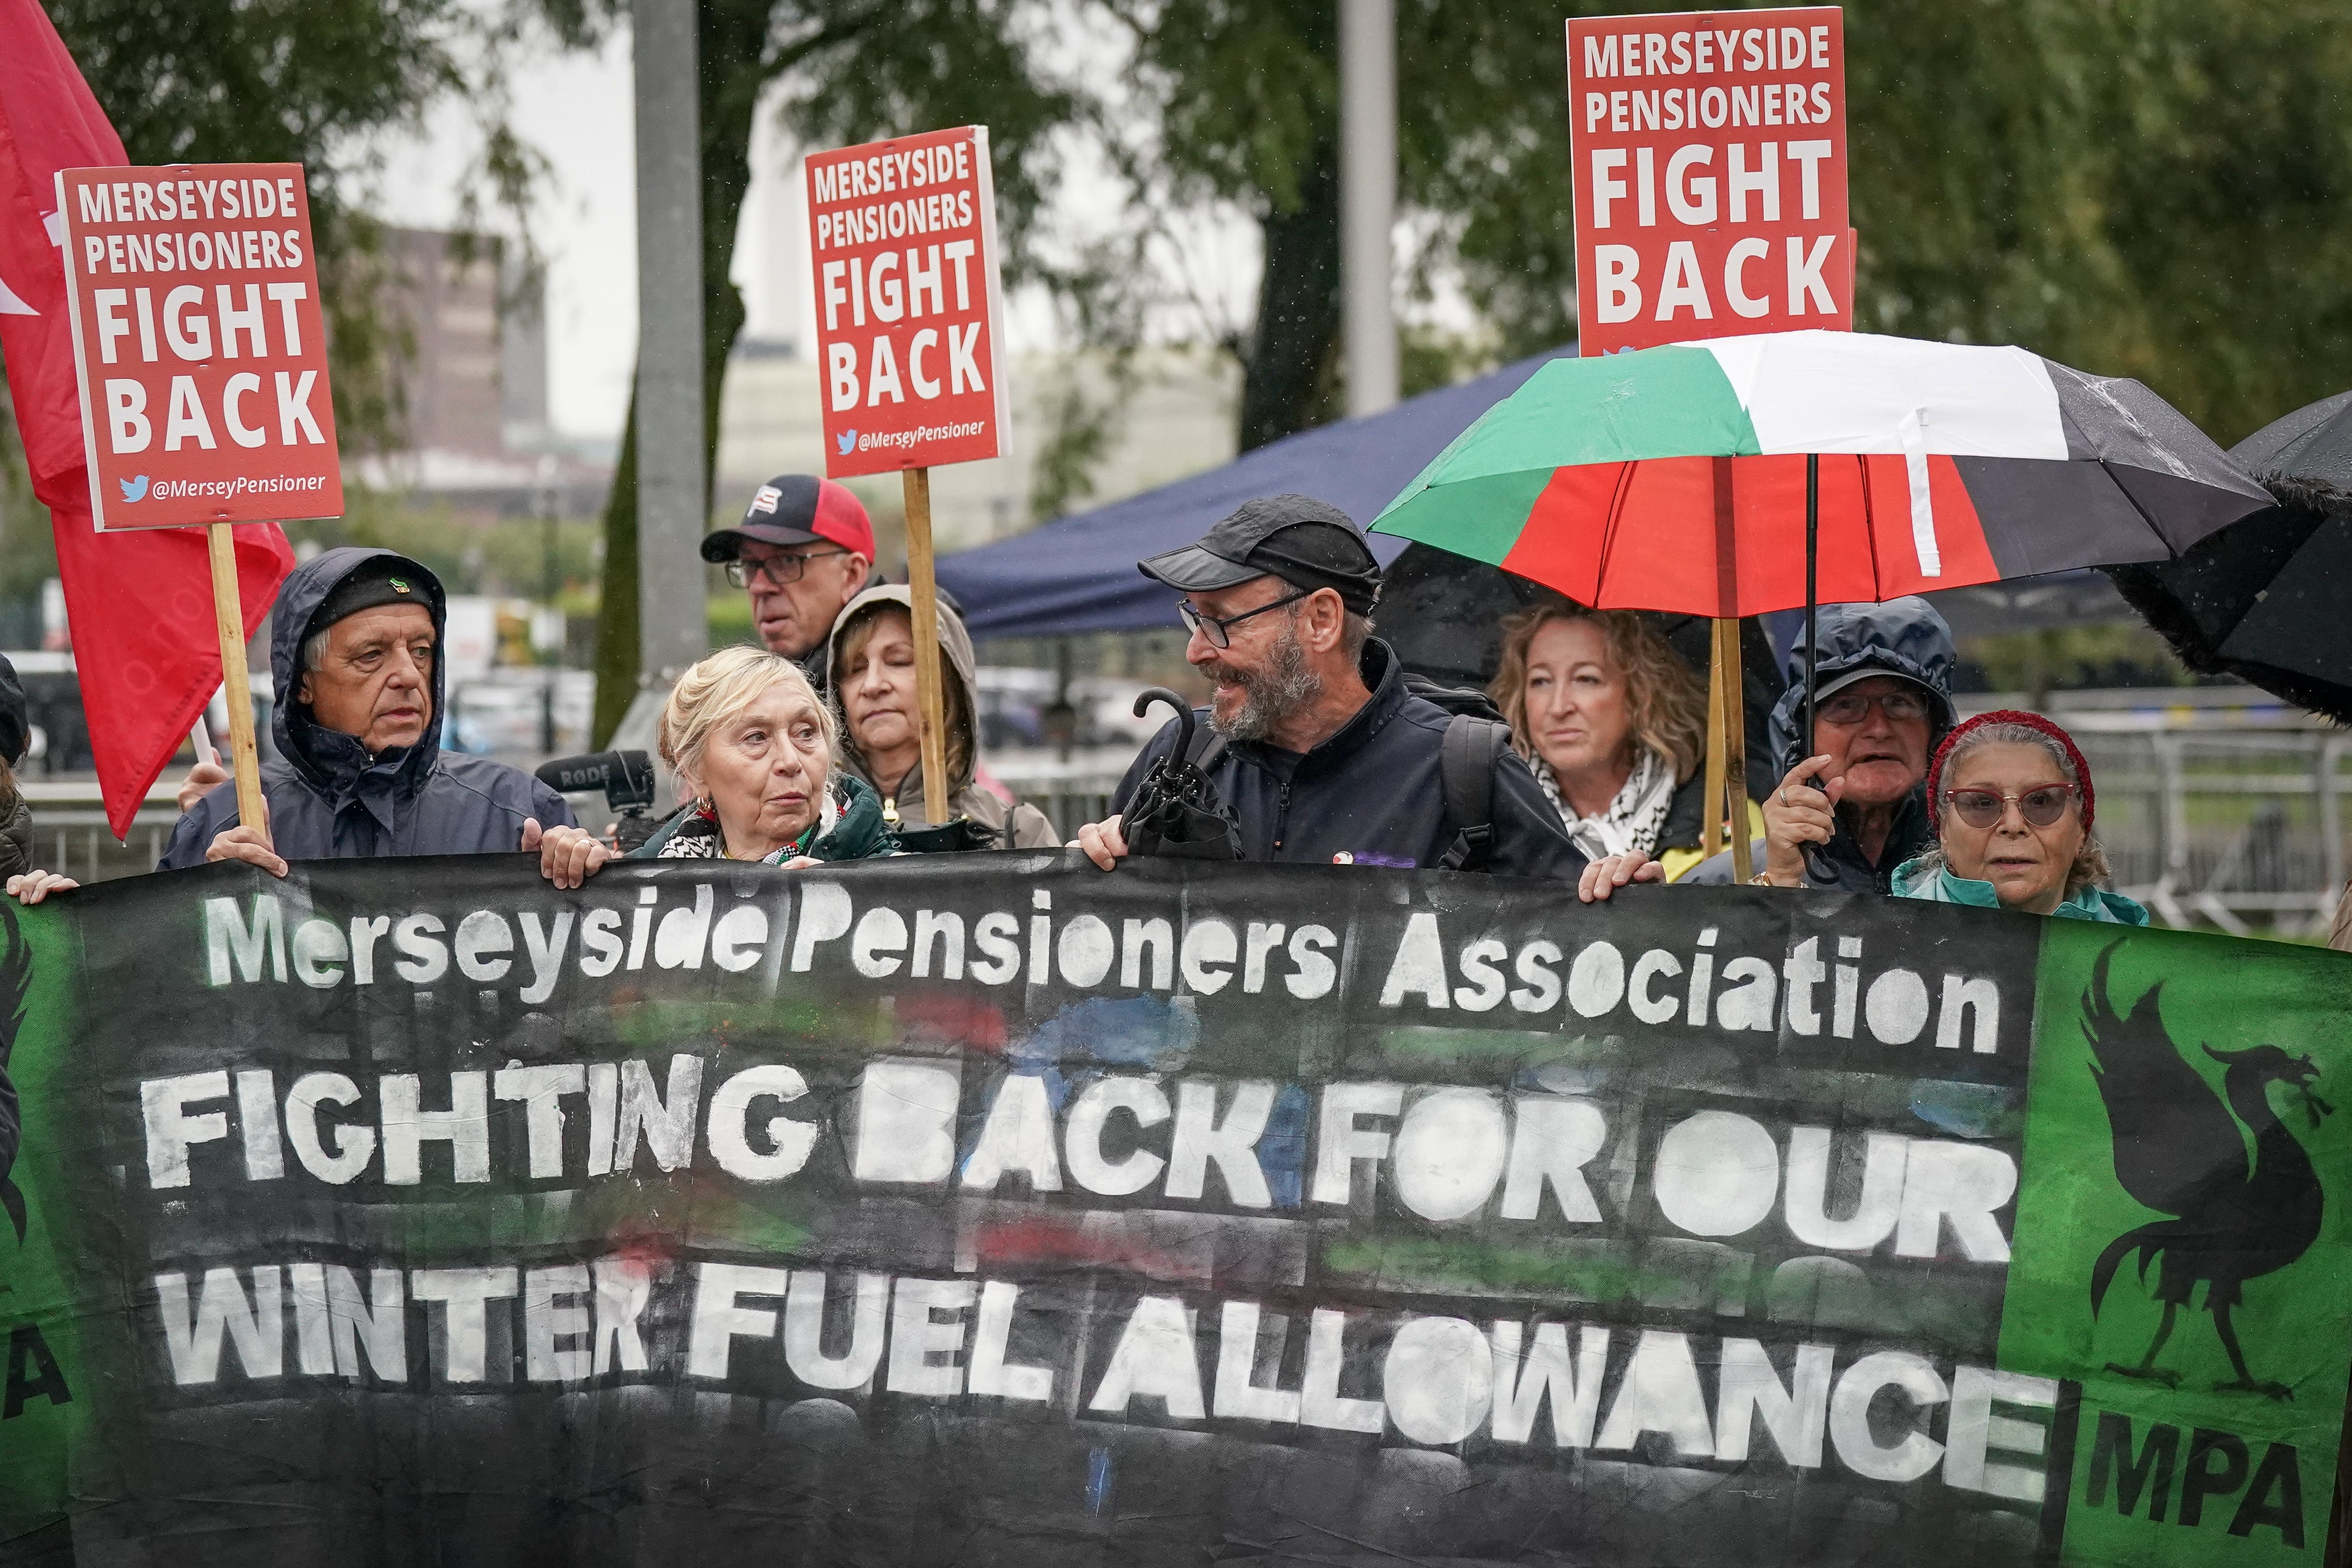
[2041,805]
[1852,707]
[777,569]
[1219,631]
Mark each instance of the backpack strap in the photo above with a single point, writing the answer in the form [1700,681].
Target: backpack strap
[1466,759]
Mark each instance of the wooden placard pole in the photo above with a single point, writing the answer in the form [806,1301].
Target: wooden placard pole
[929,696]
[1727,754]
[1732,708]
[1710,836]
[228,615]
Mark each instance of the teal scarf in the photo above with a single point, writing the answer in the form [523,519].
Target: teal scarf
[857,834]
[1913,881]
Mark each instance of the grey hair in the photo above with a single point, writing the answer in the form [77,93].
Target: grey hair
[2090,867]
[1355,630]
[314,650]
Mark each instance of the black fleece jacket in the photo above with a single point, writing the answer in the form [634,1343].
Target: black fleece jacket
[1371,794]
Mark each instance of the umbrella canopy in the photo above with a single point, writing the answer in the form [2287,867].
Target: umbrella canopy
[2264,599]
[2312,446]
[1673,479]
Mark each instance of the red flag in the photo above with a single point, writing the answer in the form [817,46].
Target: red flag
[140,603]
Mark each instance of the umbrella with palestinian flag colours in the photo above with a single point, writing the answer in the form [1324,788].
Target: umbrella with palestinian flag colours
[1676,477]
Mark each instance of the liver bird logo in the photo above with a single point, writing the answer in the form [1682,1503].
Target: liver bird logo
[2183,1151]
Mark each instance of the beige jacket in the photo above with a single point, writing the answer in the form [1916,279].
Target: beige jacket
[1017,826]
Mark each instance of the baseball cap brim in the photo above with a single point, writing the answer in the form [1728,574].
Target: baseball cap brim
[1837,683]
[727,544]
[1193,570]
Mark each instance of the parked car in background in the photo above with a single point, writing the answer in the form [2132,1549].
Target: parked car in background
[501,714]
[1017,707]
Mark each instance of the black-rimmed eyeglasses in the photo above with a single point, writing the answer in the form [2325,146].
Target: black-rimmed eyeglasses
[1218,630]
[777,569]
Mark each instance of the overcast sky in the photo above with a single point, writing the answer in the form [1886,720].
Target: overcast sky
[575,108]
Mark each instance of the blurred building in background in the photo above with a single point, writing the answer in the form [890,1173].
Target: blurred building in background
[1178,421]
[1176,418]
[468,326]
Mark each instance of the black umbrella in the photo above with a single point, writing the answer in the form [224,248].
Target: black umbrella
[2263,599]
[1176,810]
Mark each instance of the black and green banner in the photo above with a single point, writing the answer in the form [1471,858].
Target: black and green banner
[988,1208]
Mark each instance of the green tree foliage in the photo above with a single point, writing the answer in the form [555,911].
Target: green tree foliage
[2153,188]
[304,81]
[2156,188]
[298,81]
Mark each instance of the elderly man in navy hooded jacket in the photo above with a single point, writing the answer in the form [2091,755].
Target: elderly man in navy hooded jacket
[354,643]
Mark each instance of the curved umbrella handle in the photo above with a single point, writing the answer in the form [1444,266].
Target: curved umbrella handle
[1151,694]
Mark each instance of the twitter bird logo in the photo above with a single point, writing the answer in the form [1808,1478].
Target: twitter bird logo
[846,441]
[134,489]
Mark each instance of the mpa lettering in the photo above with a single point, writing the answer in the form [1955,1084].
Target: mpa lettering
[33,1372]
[2161,1481]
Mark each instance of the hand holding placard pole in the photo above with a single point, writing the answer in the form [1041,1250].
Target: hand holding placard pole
[228,614]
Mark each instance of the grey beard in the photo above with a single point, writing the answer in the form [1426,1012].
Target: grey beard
[1271,695]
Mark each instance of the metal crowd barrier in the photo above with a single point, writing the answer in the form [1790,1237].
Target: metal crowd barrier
[2217,810]
[70,835]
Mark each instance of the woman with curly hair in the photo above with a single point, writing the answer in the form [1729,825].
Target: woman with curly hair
[1613,723]
[2012,805]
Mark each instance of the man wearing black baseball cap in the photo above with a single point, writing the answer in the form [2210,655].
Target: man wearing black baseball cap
[803,550]
[1320,751]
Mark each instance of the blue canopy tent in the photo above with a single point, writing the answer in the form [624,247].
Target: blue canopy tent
[1077,574]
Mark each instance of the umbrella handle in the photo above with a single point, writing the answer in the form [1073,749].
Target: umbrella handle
[1152,694]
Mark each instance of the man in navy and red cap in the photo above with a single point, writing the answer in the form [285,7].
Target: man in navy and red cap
[803,550]
[1320,749]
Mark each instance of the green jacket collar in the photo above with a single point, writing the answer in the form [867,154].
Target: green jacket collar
[1913,881]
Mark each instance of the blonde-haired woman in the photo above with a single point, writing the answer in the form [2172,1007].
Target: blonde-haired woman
[1613,723]
[747,733]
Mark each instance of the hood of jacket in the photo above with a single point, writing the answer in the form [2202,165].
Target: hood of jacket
[330,763]
[958,663]
[1902,637]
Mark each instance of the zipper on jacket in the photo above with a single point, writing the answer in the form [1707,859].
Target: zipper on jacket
[1282,815]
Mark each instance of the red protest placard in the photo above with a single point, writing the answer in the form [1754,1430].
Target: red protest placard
[200,346]
[1709,158]
[902,235]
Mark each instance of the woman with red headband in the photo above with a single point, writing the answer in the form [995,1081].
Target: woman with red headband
[2012,805]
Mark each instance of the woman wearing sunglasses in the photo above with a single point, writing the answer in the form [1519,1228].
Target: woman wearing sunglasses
[2013,806]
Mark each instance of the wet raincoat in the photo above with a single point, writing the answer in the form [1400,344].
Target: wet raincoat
[330,800]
